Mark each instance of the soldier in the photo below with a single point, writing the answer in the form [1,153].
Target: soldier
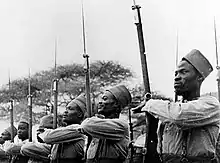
[109,134]
[68,143]
[5,137]
[39,151]
[20,139]
[189,128]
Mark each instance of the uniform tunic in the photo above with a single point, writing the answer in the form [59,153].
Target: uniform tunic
[68,144]
[14,148]
[109,140]
[38,152]
[189,130]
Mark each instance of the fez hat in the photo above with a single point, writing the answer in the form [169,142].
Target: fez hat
[10,130]
[24,119]
[122,94]
[46,122]
[80,101]
[200,62]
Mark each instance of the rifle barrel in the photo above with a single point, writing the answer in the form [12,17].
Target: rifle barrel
[12,120]
[11,109]
[87,69]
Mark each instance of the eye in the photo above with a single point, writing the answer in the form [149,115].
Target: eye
[105,98]
[70,108]
[184,71]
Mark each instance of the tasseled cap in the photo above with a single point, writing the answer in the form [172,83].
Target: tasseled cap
[46,122]
[10,130]
[122,94]
[80,101]
[24,119]
[200,62]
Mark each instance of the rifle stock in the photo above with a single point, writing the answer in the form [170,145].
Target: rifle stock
[150,152]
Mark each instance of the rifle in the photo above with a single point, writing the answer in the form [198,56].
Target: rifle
[131,136]
[55,89]
[86,69]
[87,75]
[149,153]
[177,52]
[217,66]
[11,109]
[30,107]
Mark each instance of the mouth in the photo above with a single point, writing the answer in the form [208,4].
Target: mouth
[177,85]
[64,116]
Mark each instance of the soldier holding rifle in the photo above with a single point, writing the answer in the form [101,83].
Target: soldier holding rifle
[110,136]
[68,143]
[191,126]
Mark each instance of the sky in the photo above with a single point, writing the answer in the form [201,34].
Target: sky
[29,28]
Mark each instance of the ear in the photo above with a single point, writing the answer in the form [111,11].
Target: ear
[80,114]
[200,78]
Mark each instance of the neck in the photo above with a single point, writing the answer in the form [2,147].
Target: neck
[113,115]
[189,96]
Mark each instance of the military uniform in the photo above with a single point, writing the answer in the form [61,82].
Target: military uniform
[110,137]
[68,144]
[110,140]
[188,130]
[14,148]
[39,151]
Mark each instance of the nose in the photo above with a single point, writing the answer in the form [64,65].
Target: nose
[177,77]
[65,112]
[100,102]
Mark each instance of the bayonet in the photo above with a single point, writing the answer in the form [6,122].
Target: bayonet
[11,109]
[87,69]
[55,88]
[30,106]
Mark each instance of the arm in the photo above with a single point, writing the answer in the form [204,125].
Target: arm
[13,149]
[204,111]
[113,129]
[61,135]
[36,150]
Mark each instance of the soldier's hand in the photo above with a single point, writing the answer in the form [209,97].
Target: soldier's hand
[100,116]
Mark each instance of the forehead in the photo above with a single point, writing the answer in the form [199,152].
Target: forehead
[22,124]
[108,94]
[185,65]
[72,105]
[6,133]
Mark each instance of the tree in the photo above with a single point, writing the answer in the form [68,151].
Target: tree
[71,82]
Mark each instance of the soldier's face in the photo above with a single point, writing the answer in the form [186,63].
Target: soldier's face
[23,131]
[106,103]
[6,135]
[186,78]
[70,116]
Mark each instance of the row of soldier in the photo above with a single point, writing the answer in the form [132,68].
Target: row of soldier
[187,130]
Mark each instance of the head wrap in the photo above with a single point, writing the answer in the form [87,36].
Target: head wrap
[24,119]
[10,130]
[80,101]
[200,62]
[46,122]
[122,94]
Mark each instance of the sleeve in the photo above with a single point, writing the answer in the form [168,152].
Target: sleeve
[194,113]
[3,154]
[62,135]
[113,129]
[13,148]
[36,150]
